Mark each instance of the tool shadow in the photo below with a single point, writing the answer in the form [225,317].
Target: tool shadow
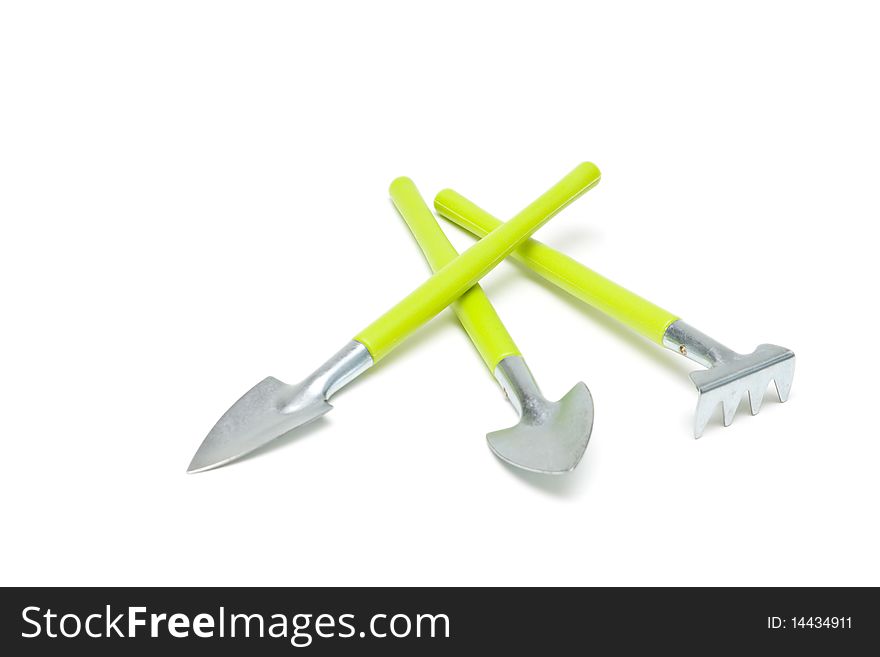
[294,435]
[563,486]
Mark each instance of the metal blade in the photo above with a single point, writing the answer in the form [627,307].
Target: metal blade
[267,411]
[550,440]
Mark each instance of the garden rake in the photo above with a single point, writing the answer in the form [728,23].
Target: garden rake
[729,376]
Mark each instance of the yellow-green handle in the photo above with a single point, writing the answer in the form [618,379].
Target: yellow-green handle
[596,290]
[473,308]
[454,279]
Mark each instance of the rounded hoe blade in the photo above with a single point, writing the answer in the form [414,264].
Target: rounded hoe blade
[551,440]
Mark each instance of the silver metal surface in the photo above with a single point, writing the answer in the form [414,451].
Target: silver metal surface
[730,374]
[272,408]
[551,437]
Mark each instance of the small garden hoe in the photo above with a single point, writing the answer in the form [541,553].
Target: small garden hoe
[550,437]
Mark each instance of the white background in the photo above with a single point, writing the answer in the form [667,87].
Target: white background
[193,196]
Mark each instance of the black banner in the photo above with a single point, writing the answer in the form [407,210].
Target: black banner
[109,621]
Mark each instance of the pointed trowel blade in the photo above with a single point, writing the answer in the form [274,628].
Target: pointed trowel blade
[267,411]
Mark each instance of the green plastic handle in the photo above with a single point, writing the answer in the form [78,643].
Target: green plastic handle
[473,308]
[632,310]
[444,287]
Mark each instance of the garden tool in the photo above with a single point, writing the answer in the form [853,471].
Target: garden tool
[272,408]
[550,437]
[729,374]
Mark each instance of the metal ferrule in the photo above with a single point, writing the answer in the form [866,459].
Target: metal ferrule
[519,385]
[699,347]
[341,369]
